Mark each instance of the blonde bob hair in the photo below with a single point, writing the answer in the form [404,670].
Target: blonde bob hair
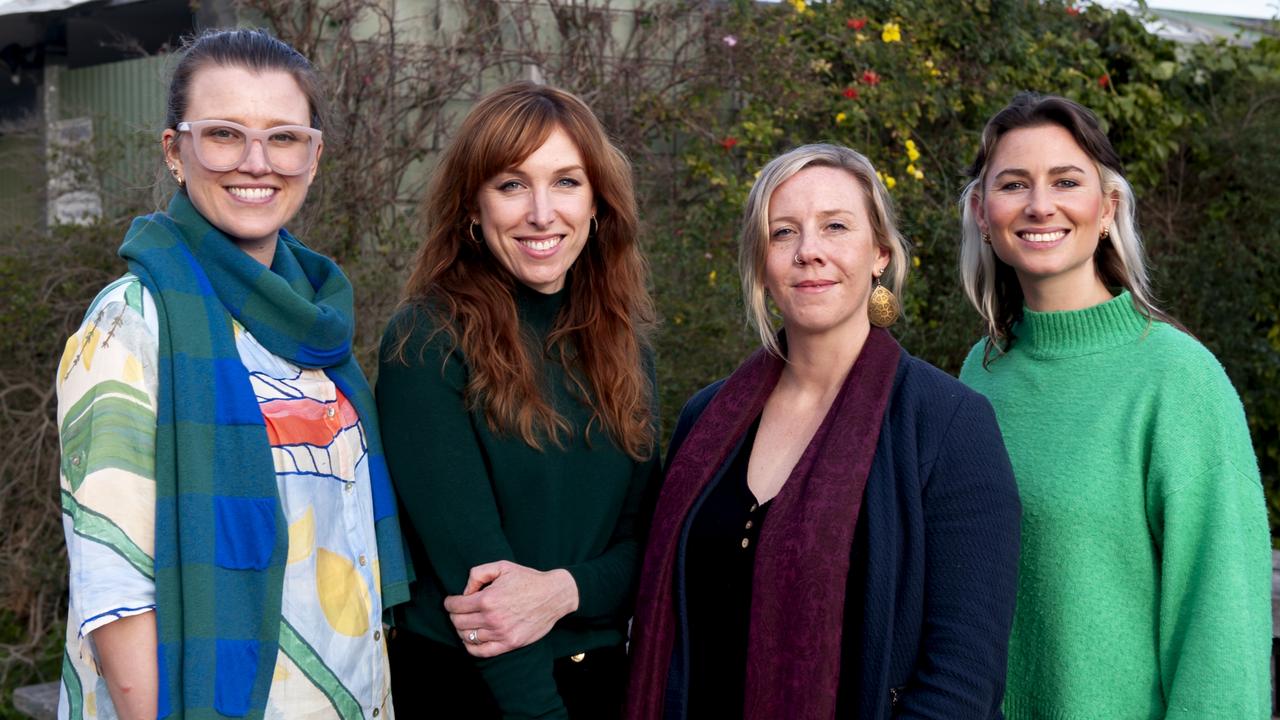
[992,285]
[755,226]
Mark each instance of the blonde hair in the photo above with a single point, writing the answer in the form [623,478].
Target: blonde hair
[991,284]
[755,225]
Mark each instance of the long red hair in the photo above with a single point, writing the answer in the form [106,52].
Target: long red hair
[602,333]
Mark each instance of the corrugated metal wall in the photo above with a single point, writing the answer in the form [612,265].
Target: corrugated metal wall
[125,100]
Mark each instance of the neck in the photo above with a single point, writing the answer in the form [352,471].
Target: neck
[819,362]
[264,251]
[1055,294]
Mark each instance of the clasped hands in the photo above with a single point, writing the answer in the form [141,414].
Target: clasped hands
[507,606]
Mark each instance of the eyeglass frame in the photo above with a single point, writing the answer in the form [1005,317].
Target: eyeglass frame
[261,136]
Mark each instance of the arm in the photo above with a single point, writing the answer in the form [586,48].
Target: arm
[439,471]
[971,521]
[1208,519]
[107,389]
[127,657]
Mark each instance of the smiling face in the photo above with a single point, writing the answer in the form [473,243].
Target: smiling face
[536,216]
[1043,205]
[250,202]
[822,256]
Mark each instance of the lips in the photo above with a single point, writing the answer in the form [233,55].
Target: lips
[542,244]
[1041,237]
[252,194]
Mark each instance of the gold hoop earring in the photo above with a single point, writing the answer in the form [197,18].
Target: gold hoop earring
[471,232]
[883,308]
[594,229]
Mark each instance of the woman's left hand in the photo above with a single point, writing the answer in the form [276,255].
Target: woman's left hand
[507,606]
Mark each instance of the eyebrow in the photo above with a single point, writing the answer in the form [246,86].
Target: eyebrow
[274,123]
[824,214]
[561,171]
[1058,170]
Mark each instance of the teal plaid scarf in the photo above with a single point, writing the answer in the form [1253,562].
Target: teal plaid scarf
[221,539]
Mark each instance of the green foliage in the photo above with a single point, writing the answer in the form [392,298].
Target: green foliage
[910,84]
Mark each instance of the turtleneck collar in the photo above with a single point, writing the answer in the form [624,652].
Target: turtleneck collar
[537,309]
[1070,333]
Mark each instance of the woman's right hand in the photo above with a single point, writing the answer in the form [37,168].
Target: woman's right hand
[127,658]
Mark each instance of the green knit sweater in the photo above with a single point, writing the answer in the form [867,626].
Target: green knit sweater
[1145,576]
[473,496]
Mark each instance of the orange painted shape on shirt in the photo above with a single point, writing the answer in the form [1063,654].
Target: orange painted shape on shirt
[306,422]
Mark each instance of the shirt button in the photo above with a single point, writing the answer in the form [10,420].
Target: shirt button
[377,635]
[75,460]
[348,486]
[754,506]
[749,523]
[375,712]
[578,658]
[330,411]
[745,543]
[363,561]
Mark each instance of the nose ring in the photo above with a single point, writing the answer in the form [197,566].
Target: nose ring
[797,259]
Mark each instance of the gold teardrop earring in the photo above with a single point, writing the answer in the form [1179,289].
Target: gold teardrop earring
[883,308]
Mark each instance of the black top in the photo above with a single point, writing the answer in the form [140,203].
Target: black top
[718,571]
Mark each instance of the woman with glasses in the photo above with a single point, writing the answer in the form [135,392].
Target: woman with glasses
[229,519]
[516,395]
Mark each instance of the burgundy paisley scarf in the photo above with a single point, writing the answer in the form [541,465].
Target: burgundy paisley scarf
[802,561]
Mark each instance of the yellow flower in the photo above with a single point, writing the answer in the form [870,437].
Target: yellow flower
[911,169]
[891,33]
[711,278]
[841,117]
[820,66]
[860,38]
[678,319]
[889,182]
[913,154]
[918,174]
[799,5]
[915,262]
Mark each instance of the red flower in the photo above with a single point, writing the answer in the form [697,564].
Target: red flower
[1072,10]
[851,93]
[856,23]
[729,142]
[1104,80]
[871,77]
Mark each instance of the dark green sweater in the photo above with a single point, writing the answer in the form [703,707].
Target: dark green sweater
[472,496]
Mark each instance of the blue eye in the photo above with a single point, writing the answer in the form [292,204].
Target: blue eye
[1015,185]
[1068,183]
[568,182]
[837,226]
[509,185]
[780,232]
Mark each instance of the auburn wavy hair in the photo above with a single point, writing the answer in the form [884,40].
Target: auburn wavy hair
[602,334]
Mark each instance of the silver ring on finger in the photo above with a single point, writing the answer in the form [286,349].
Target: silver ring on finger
[473,637]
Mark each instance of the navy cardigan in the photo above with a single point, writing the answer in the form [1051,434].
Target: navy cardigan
[933,576]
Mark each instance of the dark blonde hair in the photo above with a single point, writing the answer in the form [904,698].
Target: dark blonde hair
[991,284]
[755,225]
[602,333]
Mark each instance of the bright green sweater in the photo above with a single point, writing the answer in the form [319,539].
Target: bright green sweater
[1145,576]
[472,496]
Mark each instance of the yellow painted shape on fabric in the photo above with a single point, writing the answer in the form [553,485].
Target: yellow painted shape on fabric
[282,670]
[91,704]
[377,576]
[132,370]
[69,354]
[302,536]
[343,595]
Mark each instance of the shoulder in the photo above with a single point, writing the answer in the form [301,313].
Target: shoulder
[1178,359]
[414,332]
[690,413]
[924,389]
